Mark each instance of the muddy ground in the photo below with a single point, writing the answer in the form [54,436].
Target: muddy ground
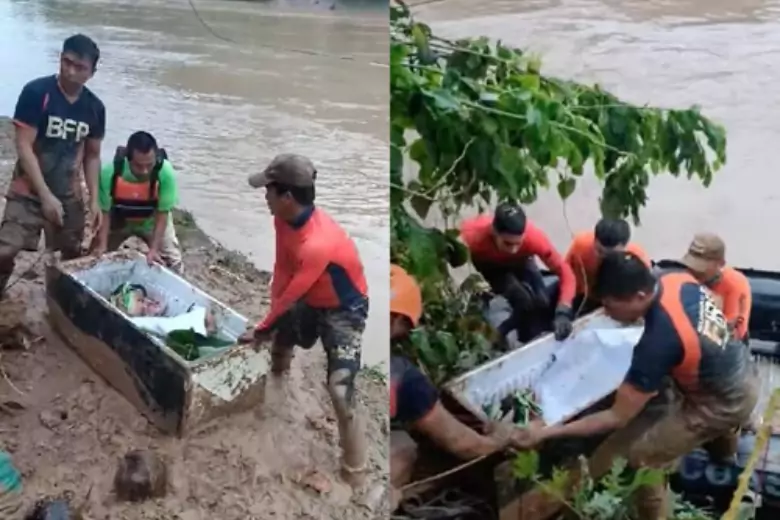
[280,461]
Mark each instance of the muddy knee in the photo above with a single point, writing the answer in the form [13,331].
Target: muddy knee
[341,387]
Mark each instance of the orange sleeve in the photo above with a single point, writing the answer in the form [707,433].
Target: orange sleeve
[314,261]
[280,276]
[737,303]
[574,257]
[536,243]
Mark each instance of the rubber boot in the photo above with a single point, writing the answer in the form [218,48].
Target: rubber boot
[352,435]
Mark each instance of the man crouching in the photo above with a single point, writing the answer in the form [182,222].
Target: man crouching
[138,192]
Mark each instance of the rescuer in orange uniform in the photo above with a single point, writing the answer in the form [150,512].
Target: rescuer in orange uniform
[587,250]
[706,260]
[414,401]
[504,247]
[318,292]
[685,337]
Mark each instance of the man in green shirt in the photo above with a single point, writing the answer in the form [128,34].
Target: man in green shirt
[137,194]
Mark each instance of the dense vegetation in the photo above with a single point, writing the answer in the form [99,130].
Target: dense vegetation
[480,123]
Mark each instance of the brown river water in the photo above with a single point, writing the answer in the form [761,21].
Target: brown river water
[673,53]
[286,76]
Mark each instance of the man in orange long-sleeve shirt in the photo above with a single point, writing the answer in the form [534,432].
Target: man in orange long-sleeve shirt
[587,251]
[318,292]
[504,247]
[706,260]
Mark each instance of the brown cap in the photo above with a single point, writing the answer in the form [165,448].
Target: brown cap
[287,168]
[704,249]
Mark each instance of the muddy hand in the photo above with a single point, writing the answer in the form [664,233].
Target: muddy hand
[52,209]
[255,335]
[502,432]
[153,257]
[247,337]
[529,437]
[96,216]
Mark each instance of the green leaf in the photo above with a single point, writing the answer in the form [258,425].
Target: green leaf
[489,126]
[533,115]
[449,346]
[422,346]
[444,100]
[421,205]
[558,484]
[524,127]
[418,151]
[566,187]
[526,465]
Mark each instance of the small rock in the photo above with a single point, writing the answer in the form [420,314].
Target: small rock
[316,481]
[189,515]
[54,508]
[375,498]
[50,419]
[141,475]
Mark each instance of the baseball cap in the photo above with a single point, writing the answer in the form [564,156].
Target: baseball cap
[287,168]
[705,248]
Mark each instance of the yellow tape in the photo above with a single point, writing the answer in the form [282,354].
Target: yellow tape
[762,438]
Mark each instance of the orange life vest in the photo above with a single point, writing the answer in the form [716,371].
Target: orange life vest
[134,201]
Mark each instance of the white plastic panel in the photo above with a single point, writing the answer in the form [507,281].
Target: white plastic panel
[162,284]
[566,376]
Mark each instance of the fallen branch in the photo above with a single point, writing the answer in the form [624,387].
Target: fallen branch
[8,380]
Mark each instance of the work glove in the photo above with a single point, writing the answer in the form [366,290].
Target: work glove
[562,324]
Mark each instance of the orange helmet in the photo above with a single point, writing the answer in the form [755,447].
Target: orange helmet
[405,297]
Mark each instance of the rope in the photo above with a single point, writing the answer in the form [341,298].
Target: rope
[440,476]
[762,442]
[308,52]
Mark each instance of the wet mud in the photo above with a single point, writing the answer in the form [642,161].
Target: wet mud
[68,431]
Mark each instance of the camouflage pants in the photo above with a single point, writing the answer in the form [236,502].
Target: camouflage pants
[658,438]
[341,333]
[21,228]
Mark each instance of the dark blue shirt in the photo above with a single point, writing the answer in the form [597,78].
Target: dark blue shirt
[722,361]
[62,127]
[412,394]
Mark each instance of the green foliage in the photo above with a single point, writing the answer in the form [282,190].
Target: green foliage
[436,347]
[481,124]
[608,498]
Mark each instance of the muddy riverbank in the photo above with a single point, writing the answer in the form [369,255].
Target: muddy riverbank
[225,87]
[279,462]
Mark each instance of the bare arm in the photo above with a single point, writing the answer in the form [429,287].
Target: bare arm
[160,223]
[454,436]
[25,139]
[104,231]
[92,168]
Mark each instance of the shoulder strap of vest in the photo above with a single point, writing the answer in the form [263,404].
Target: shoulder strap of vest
[119,166]
[154,180]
